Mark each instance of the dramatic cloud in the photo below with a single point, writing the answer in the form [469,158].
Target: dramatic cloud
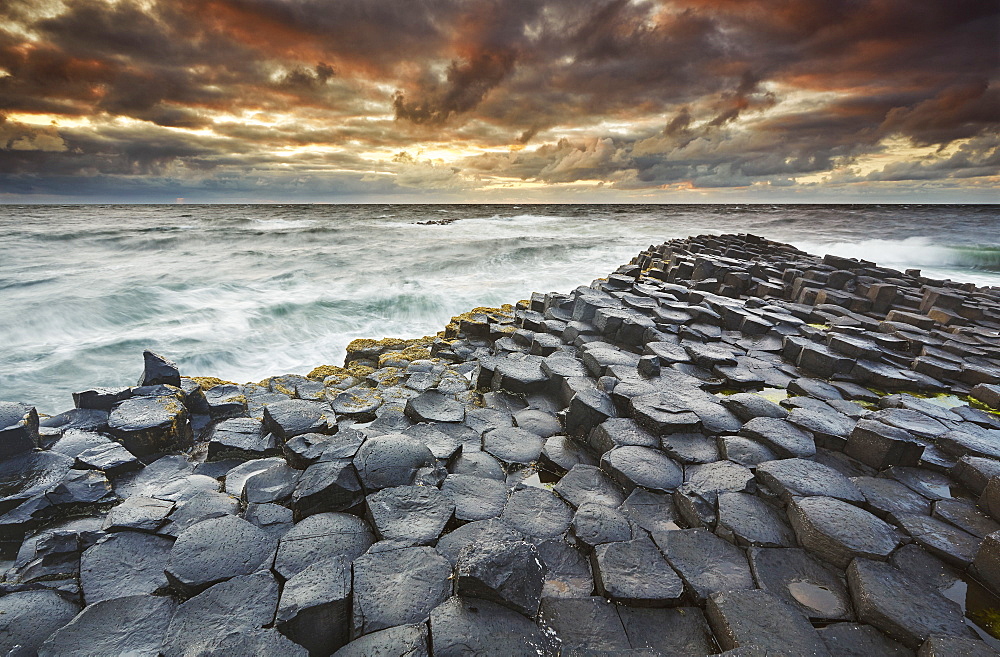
[497,99]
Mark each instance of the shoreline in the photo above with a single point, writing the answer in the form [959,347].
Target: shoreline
[773,435]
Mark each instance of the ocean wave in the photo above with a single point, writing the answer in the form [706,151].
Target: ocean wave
[912,252]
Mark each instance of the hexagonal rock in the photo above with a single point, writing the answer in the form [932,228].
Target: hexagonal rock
[745,451]
[112,459]
[475,498]
[235,607]
[537,421]
[887,498]
[585,623]
[358,403]
[147,425]
[651,511]
[441,444]
[635,573]
[391,460]
[27,618]
[408,640]
[963,514]
[670,631]
[595,524]
[76,441]
[294,417]
[398,587]
[463,626]
[306,449]
[272,485]
[132,625]
[691,448]
[642,466]
[619,432]
[748,619]
[519,376]
[828,427]
[202,506]
[158,370]
[236,478]
[123,564]
[315,606]
[904,609]
[139,513]
[218,549]
[513,445]
[327,486]
[240,438]
[509,573]
[986,565]
[586,483]
[952,646]
[434,406]
[479,464]
[944,541]
[781,436]
[567,570]
[225,400]
[18,428]
[320,536]
[588,408]
[812,587]
[837,532]
[412,514]
[537,512]
[695,499]
[744,520]
[706,563]
[800,477]
[853,640]
[748,405]
[272,518]
[881,445]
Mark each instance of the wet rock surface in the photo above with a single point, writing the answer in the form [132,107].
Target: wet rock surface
[726,445]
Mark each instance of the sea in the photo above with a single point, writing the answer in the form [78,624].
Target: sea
[243,292]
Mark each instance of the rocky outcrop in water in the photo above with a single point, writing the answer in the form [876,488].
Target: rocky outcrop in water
[726,445]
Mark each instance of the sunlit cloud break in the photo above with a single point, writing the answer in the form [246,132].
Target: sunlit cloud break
[490,100]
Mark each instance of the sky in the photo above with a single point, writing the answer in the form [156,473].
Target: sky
[644,101]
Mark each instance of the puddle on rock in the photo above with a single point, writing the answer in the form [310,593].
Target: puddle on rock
[770,394]
[980,607]
[816,597]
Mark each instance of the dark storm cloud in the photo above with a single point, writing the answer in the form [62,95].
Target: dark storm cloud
[635,93]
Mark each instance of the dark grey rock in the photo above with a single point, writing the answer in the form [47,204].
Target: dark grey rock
[677,631]
[661,414]
[240,438]
[800,477]
[202,506]
[402,640]
[27,618]
[948,543]
[148,425]
[272,485]
[888,499]
[509,573]
[567,571]
[111,458]
[954,646]
[741,619]
[696,498]
[221,613]
[744,451]
[519,376]
[479,464]
[123,564]
[838,532]
[619,432]
[707,563]
[746,520]
[909,420]
[747,405]
[415,515]
[881,445]
[586,483]
[974,472]
[218,549]
[306,449]
[158,370]
[690,448]
[138,513]
[812,587]
[595,524]
[80,488]
[906,610]
[225,401]
[320,536]
[132,625]
[391,460]
[588,408]
[294,417]
[963,514]
[635,573]
[513,445]
[537,512]
[398,587]
[462,626]
[585,623]
[781,436]
[972,440]
[815,388]
[101,398]
[539,422]
[852,640]
[474,498]
[654,512]
[274,519]
[451,544]
[642,466]
[85,419]
[986,565]
[315,606]
[561,453]
[932,485]
[76,441]
[359,403]
[441,444]
[434,406]
[327,486]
